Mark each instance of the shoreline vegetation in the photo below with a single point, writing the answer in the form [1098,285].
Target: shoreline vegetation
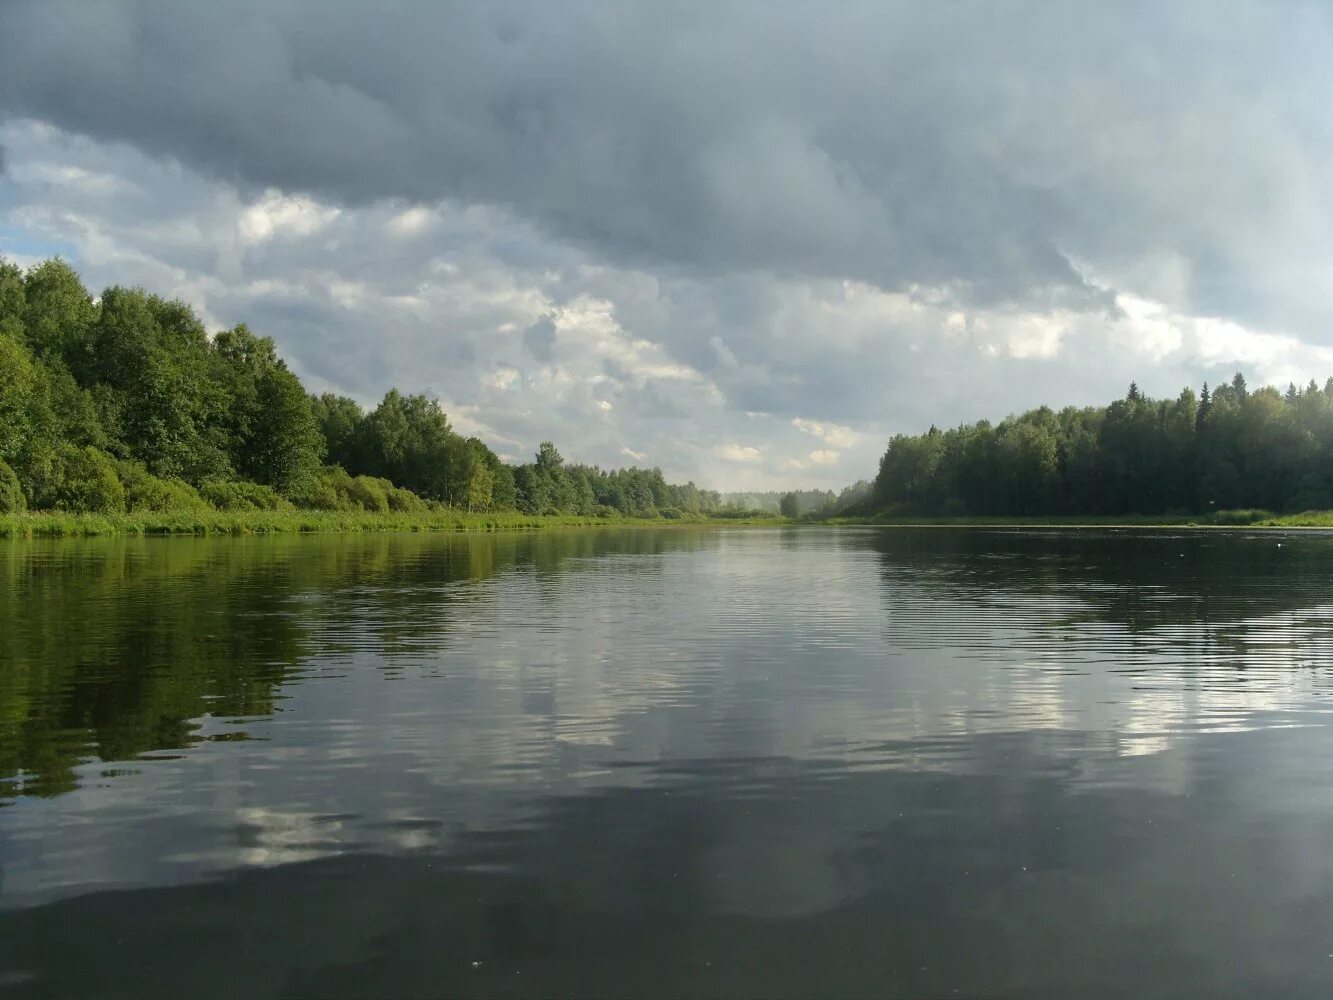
[213,523]
[56,524]
[1229,456]
[1223,519]
[122,415]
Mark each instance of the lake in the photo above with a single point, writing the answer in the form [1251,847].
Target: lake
[726,762]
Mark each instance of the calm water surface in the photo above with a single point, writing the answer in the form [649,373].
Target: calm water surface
[740,762]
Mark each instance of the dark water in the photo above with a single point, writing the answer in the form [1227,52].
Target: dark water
[762,763]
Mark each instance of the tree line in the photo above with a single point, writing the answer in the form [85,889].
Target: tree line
[816,503]
[1225,448]
[125,403]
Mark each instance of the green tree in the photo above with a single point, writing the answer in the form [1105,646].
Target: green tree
[286,446]
[12,500]
[548,458]
[13,297]
[340,420]
[20,383]
[408,440]
[152,360]
[58,315]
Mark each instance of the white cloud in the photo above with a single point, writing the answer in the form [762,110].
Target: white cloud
[835,434]
[823,457]
[278,215]
[738,453]
[409,222]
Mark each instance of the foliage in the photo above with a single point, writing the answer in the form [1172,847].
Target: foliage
[12,500]
[820,502]
[340,421]
[233,494]
[274,436]
[146,492]
[19,390]
[334,489]
[208,521]
[547,485]
[80,480]
[1225,449]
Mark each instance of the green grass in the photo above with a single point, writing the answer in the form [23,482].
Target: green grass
[1308,519]
[263,522]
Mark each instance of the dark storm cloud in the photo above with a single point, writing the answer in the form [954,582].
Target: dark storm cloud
[980,147]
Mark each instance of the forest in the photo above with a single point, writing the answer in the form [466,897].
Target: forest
[124,402]
[1227,448]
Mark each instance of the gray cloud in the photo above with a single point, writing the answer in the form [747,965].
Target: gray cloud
[980,147]
[673,230]
[539,339]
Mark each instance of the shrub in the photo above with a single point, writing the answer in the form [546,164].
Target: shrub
[1240,517]
[326,490]
[81,480]
[146,492]
[404,501]
[744,515]
[333,489]
[11,493]
[230,494]
[316,493]
[368,493]
[1311,494]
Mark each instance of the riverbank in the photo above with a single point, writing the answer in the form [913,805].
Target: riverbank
[263,522]
[1218,519]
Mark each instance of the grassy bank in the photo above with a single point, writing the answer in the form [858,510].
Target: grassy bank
[1217,519]
[259,522]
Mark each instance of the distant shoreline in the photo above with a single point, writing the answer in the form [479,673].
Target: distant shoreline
[187,523]
[1219,519]
[265,522]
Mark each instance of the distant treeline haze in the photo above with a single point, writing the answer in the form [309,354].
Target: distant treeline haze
[798,503]
[125,403]
[1225,448]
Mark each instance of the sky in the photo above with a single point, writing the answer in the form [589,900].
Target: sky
[744,242]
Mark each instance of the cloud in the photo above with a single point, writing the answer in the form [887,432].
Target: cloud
[738,453]
[277,215]
[539,339]
[823,457]
[834,434]
[744,222]
[890,164]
